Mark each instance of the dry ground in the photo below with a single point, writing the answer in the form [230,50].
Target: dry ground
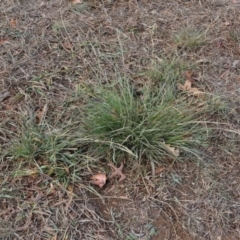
[50,48]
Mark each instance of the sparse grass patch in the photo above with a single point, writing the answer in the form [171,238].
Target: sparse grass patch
[189,38]
[81,8]
[58,26]
[167,73]
[46,149]
[234,35]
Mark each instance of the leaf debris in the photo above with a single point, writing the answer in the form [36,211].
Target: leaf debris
[187,87]
[99,180]
[117,172]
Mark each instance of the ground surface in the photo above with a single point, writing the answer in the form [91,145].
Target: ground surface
[49,48]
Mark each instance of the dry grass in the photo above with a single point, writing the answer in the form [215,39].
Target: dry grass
[52,54]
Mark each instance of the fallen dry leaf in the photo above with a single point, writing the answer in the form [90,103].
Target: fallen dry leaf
[196,92]
[173,151]
[117,172]
[99,180]
[40,115]
[187,85]
[67,46]
[13,23]
[188,88]
[188,75]
[159,170]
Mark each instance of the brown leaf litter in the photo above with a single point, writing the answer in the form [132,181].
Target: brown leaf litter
[117,172]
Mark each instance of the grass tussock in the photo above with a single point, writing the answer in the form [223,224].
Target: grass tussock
[153,124]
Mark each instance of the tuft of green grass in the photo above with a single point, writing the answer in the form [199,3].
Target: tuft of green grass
[189,38]
[168,70]
[155,123]
[41,148]
[167,73]
[152,125]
